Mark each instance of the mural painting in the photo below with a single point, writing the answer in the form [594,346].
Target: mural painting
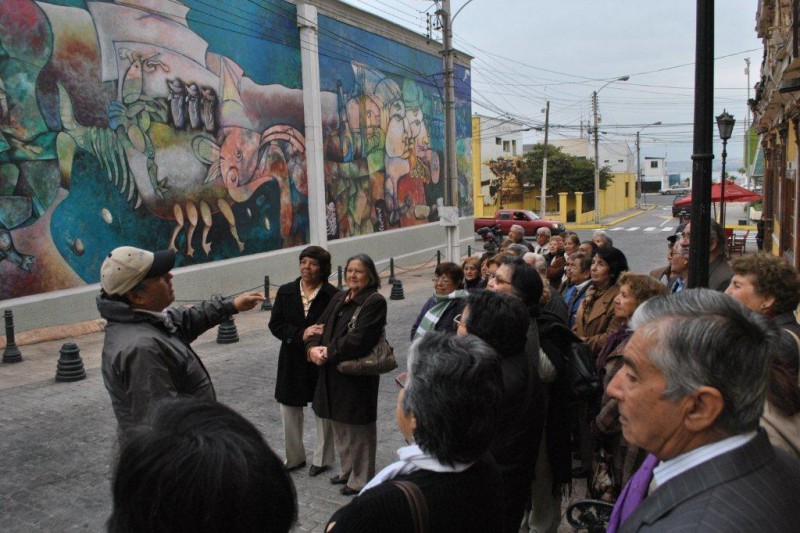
[384,133]
[120,124]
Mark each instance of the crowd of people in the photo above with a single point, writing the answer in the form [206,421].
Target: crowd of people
[698,386]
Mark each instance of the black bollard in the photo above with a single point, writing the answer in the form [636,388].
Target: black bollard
[469,251]
[227,332]
[266,305]
[438,257]
[11,354]
[391,271]
[70,364]
[397,291]
[339,285]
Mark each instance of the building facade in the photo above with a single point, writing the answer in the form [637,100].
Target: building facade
[776,118]
[233,133]
[496,145]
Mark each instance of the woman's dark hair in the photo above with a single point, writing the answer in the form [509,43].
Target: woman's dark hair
[592,244]
[499,319]
[372,272]
[200,467]
[321,256]
[526,283]
[454,390]
[616,260]
[452,271]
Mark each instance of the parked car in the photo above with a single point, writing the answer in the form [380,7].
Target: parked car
[676,189]
[530,222]
[680,211]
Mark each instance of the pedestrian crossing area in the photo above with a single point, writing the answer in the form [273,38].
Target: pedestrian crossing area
[648,229]
[665,230]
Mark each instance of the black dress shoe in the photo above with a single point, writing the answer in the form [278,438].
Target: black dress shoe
[317,470]
[336,480]
[296,467]
[347,491]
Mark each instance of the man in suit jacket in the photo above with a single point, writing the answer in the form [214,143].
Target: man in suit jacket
[691,392]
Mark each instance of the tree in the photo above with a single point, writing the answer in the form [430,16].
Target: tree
[565,172]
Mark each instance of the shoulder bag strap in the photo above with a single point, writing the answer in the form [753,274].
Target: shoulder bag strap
[354,318]
[419,507]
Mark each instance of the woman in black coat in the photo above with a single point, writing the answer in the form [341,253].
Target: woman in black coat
[298,305]
[350,402]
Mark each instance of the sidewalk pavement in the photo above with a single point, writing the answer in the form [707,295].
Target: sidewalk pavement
[613,220]
[58,440]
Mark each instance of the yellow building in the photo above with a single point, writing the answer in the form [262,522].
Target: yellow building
[496,154]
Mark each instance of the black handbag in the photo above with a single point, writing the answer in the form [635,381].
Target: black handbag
[379,360]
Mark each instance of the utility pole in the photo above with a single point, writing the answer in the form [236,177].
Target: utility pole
[451,176]
[638,173]
[747,126]
[544,163]
[596,163]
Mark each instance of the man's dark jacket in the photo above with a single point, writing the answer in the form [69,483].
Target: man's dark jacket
[147,359]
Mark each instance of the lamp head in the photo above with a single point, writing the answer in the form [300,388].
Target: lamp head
[725,122]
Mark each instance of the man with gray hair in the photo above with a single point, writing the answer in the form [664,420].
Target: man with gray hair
[516,235]
[602,239]
[691,392]
[542,240]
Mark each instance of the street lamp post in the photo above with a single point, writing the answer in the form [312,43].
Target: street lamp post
[543,207]
[596,154]
[639,193]
[725,123]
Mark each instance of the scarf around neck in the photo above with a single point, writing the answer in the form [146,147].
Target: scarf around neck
[432,316]
[413,458]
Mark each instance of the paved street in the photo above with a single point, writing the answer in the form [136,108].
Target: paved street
[57,439]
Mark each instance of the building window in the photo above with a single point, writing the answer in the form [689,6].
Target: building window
[653,164]
[498,141]
[506,146]
[606,161]
[620,160]
[513,147]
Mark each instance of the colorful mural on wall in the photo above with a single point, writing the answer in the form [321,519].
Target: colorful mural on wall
[384,132]
[162,123]
[120,124]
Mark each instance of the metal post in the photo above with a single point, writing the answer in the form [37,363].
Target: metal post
[438,257]
[266,305]
[391,271]
[596,163]
[703,142]
[469,251]
[339,285]
[747,172]
[722,184]
[11,354]
[543,207]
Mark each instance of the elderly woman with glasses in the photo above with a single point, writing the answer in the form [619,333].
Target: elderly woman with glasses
[447,410]
[447,301]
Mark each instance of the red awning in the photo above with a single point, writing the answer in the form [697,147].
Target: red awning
[733,193]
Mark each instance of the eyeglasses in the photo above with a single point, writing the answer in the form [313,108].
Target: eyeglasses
[444,280]
[401,379]
[498,279]
[458,322]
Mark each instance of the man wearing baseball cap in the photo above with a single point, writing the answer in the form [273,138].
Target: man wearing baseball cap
[146,354]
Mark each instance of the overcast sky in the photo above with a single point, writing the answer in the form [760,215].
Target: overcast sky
[529,51]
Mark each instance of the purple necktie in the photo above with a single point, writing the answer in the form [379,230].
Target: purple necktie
[633,494]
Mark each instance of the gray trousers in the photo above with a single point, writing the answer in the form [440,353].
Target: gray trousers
[292,418]
[356,444]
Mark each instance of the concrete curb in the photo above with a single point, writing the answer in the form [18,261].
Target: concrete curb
[612,222]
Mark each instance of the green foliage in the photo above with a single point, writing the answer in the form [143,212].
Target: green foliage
[565,173]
